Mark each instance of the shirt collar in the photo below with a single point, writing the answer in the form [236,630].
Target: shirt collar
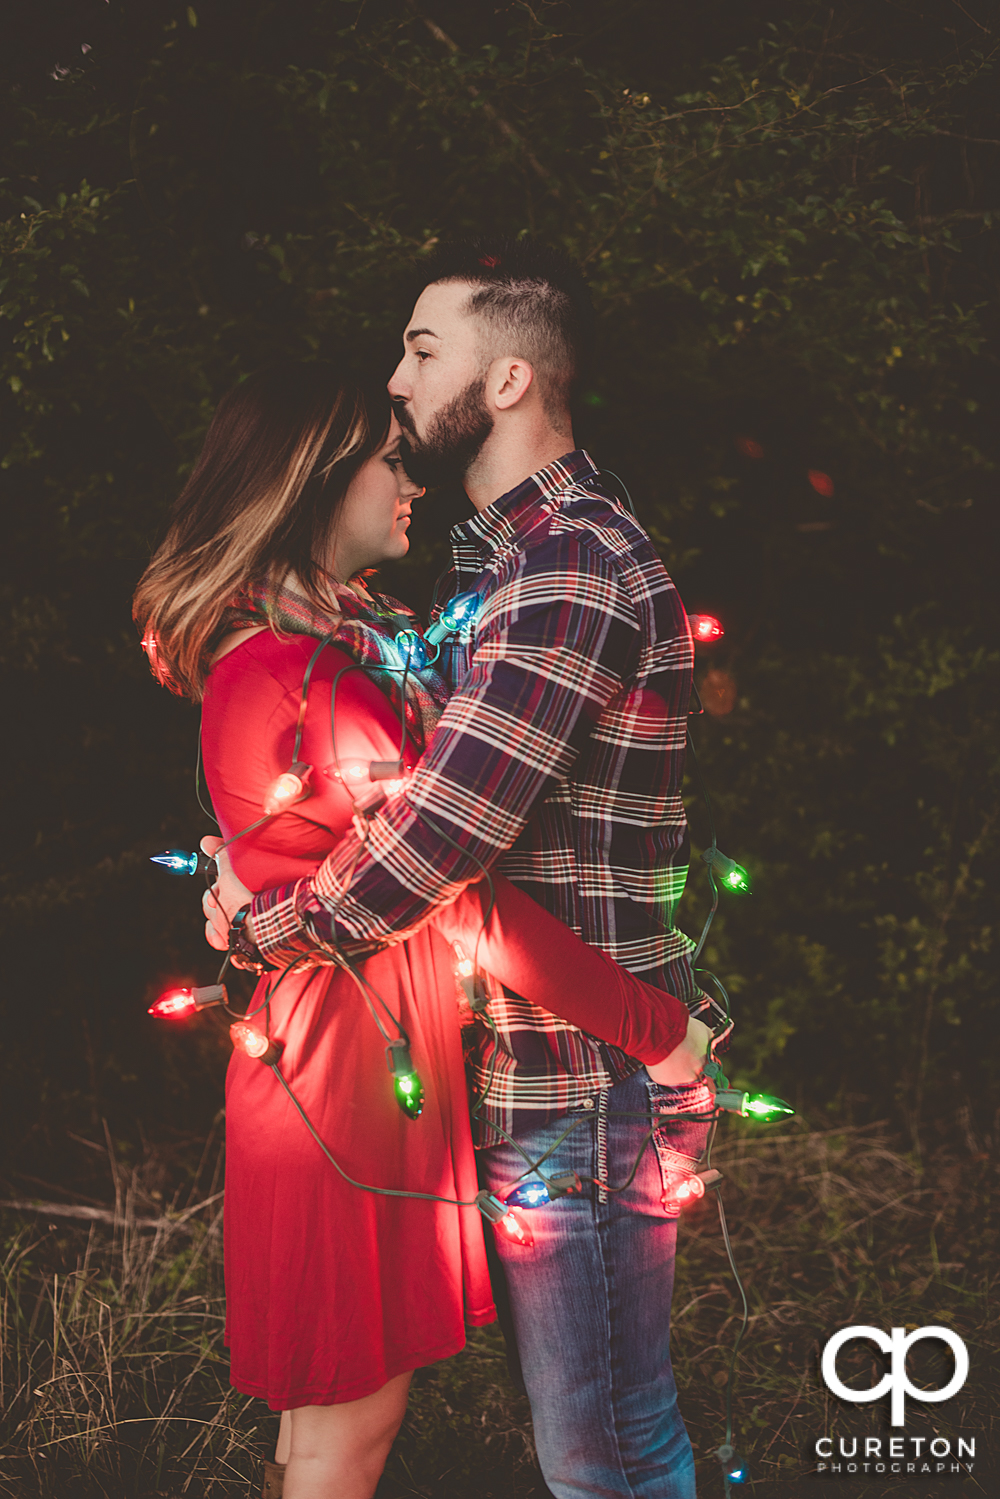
[517,511]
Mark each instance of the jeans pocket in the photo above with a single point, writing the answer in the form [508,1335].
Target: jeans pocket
[680,1139]
[683,1095]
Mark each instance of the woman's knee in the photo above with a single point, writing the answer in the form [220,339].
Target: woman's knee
[356,1430]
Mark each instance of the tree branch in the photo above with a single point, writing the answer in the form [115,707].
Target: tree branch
[107,1215]
[502,125]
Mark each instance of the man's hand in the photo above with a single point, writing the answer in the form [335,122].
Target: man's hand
[685,1062]
[227,896]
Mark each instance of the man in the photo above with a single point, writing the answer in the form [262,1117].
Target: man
[558,760]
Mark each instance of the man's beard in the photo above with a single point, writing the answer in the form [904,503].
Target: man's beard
[453,441]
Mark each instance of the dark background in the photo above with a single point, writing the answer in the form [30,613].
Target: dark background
[786,213]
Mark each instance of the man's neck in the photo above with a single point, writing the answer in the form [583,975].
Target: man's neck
[503,465]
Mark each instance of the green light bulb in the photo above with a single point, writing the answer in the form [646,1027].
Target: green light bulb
[765,1108]
[762,1107]
[405,1082]
[732,875]
[409,1094]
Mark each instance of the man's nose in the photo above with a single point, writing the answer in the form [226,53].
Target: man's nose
[398,388]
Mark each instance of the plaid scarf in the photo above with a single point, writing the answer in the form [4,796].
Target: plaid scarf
[365,628]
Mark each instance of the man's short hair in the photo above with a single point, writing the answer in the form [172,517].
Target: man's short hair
[533,304]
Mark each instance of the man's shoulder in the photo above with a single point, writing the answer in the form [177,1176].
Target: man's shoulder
[603,519]
[582,526]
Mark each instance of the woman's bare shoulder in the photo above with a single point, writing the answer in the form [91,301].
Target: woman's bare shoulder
[257,650]
[232,640]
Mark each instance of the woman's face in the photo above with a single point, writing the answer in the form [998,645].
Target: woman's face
[374,517]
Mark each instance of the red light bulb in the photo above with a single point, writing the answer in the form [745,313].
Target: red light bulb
[150,645]
[705,628]
[177,1004]
[507,1221]
[680,1193]
[254,1043]
[353,771]
[689,1190]
[290,787]
[514,1227]
[822,483]
[464,967]
[471,983]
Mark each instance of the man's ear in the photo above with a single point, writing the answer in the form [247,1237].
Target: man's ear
[508,381]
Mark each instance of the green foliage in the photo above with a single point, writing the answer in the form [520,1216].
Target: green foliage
[787,219]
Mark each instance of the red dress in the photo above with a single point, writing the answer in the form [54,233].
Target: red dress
[332,1290]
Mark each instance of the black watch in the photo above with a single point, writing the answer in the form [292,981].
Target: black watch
[241,947]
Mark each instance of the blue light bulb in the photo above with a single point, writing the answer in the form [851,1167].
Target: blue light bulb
[734,1468]
[179,861]
[459,609]
[413,649]
[457,612]
[529,1194]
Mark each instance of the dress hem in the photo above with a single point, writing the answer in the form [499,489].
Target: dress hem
[342,1395]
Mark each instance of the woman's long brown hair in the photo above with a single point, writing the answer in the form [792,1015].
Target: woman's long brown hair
[262,500]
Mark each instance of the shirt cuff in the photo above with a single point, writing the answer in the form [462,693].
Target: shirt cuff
[280,927]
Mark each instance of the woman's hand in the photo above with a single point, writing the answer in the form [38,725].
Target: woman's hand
[227,896]
[684,1064]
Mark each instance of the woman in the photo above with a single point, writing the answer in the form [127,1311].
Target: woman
[254,604]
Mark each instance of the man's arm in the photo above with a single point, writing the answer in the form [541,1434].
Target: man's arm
[552,650]
[674,1061]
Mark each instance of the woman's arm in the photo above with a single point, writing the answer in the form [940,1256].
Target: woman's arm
[538,957]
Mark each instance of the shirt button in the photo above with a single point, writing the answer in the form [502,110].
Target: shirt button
[588,1103]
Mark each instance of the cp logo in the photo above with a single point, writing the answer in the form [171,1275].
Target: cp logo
[897,1346]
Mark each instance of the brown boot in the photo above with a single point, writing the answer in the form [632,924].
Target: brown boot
[274,1481]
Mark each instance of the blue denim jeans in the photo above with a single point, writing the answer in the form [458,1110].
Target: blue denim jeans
[590,1299]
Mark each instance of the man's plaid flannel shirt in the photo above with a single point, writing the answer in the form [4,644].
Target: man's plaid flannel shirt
[558,760]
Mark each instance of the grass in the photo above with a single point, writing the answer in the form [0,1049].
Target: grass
[832,1229]
[114,1374]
